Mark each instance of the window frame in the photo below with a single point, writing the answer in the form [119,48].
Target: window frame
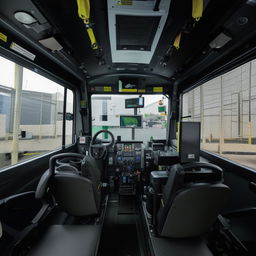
[168,97]
[25,63]
[228,164]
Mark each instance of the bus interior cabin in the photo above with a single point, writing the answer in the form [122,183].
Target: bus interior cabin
[127,127]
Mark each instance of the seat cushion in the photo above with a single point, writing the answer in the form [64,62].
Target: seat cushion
[179,247]
[67,240]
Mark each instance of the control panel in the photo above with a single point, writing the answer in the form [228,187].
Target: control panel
[128,165]
[129,155]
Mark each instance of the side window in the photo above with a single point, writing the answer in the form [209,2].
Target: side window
[31,114]
[69,117]
[226,108]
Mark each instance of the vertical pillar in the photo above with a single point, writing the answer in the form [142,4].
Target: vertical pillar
[41,116]
[56,116]
[193,105]
[202,112]
[221,140]
[18,78]
[250,106]
[133,129]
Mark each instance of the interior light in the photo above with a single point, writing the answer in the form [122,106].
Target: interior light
[24,18]
[219,41]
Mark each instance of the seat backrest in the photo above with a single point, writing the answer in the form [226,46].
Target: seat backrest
[74,194]
[189,209]
[45,179]
[90,170]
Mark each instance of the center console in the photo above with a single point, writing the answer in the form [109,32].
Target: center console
[128,164]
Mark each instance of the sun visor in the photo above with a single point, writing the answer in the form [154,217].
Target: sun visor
[135,28]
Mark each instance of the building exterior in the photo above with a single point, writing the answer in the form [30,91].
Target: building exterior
[226,105]
[39,111]
[108,108]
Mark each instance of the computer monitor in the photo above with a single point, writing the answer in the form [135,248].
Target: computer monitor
[189,141]
[131,121]
[134,103]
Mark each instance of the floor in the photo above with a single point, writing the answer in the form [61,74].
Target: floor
[120,236]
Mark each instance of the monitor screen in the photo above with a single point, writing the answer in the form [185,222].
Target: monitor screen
[134,103]
[189,142]
[131,121]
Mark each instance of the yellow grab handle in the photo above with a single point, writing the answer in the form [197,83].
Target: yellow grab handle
[94,44]
[83,9]
[197,9]
[176,43]
[84,13]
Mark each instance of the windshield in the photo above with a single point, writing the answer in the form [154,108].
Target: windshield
[109,112]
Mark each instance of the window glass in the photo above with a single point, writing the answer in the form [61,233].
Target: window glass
[107,109]
[31,114]
[226,107]
[69,117]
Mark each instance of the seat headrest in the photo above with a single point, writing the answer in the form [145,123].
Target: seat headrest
[198,172]
[67,168]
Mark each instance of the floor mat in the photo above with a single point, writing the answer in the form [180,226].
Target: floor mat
[119,236]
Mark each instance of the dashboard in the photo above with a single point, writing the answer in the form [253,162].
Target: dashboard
[129,163]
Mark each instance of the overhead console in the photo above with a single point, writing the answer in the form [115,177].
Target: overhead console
[135,28]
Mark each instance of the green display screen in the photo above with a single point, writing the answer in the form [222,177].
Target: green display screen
[131,121]
[161,109]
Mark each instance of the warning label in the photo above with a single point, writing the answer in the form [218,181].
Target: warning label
[124,2]
[3,37]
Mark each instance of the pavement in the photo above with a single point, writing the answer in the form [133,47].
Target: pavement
[236,148]
[244,154]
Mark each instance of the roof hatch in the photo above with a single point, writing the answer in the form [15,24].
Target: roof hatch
[135,28]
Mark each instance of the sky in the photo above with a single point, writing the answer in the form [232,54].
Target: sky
[31,80]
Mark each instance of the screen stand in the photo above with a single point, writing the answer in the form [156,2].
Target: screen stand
[133,129]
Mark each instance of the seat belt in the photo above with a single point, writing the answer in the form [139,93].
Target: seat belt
[19,236]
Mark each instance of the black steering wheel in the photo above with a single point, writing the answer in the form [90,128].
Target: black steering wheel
[98,149]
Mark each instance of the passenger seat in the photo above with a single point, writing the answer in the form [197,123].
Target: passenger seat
[75,195]
[191,201]
[68,240]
